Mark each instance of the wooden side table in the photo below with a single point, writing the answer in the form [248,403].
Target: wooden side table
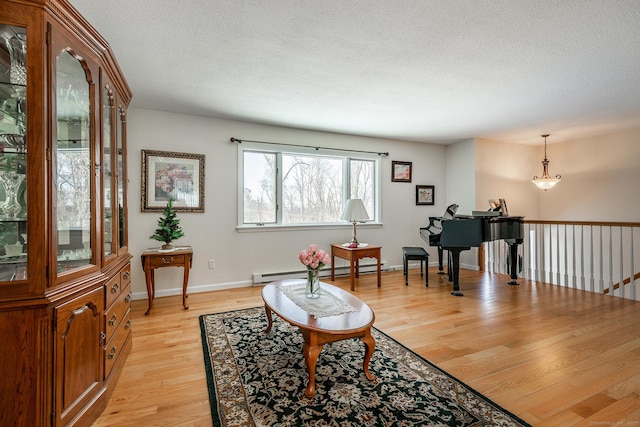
[181,256]
[353,255]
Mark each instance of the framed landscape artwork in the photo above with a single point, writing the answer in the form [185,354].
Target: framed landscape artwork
[400,171]
[171,175]
[425,195]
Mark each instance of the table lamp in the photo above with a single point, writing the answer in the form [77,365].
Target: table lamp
[354,211]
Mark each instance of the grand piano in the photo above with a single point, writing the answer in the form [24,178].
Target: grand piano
[462,232]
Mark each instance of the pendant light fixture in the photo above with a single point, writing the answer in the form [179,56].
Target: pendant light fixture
[545,182]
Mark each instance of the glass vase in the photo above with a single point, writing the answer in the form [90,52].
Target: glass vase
[313,283]
[11,182]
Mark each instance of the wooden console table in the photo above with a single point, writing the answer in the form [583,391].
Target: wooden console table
[353,255]
[181,256]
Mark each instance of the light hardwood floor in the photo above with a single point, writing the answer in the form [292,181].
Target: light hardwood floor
[552,356]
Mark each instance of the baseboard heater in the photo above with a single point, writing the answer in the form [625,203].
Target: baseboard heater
[259,278]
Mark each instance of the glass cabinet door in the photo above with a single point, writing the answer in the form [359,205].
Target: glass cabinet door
[121,181]
[73,163]
[108,112]
[13,153]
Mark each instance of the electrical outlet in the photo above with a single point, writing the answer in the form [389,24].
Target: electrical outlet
[212,264]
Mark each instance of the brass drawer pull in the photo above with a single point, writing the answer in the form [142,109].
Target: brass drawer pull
[164,261]
[103,337]
[112,353]
[115,288]
[128,324]
[113,319]
[127,299]
[125,276]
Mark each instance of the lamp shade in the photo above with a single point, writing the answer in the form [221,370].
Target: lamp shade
[355,211]
[545,183]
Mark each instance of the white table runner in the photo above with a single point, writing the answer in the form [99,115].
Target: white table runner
[326,305]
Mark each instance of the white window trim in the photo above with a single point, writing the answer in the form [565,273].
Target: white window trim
[274,148]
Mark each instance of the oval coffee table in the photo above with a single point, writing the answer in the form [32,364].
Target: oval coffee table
[322,330]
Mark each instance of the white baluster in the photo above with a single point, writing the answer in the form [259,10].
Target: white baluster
[632,268]
[610,261]
[621,286]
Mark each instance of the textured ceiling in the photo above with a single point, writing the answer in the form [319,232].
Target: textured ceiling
[425,70]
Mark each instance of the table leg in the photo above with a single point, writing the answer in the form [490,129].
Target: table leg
[311,350]
[185,281]
[151,286]
[351,275]
[370,345]
[270,320]
[380,268]
[333,262]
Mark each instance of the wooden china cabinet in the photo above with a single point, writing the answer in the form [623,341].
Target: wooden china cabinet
[65,327]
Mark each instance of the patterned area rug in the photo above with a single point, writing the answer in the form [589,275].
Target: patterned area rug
[258,379]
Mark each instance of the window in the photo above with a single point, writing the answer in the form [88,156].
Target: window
[302,187]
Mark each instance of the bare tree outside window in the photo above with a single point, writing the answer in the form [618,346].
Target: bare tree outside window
[312,189]
[362,175]
[259,187]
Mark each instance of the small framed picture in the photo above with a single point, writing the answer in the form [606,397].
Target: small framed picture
[400,171]
[171,175]
[425,195]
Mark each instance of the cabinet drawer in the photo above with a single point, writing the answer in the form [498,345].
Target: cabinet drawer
[125,275]
[116,346]
[113,289]
[167,260]
[114,315]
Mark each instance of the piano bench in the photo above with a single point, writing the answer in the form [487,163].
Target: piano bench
[415,254]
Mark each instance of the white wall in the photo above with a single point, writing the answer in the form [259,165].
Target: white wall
[505,171]
[461,177]
[238,255]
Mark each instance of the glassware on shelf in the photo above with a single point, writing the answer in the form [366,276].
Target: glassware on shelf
[13,118]
[17,47]
[11,182]
[15,141]
[14,249]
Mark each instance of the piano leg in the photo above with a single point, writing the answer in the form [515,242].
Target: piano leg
[455,267]
[440,263]
[513,253]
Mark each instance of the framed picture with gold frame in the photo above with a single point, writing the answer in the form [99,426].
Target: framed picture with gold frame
[172,175]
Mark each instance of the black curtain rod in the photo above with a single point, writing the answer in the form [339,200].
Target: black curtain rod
[240,141]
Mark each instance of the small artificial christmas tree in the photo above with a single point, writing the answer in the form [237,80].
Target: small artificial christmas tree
[168,227]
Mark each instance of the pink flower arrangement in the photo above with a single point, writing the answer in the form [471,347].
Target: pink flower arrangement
[313,257]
